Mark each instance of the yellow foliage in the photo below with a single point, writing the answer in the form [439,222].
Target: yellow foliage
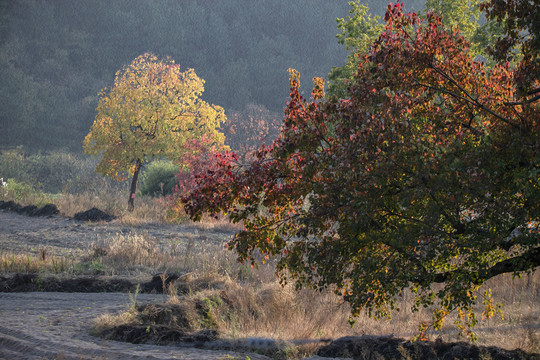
[153,110]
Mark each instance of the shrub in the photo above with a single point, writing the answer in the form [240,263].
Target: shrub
[14,165]
[159,178]
[52,172]
[53,169]
[24,193]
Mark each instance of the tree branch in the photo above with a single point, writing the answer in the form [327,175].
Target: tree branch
[513,103]
[472,102]
[526,261]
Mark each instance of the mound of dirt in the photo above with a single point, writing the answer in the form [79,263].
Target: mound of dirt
[373,347]
[160,283]
[82,284]
[162,324]
[30,210]
[94,214]
[158,334]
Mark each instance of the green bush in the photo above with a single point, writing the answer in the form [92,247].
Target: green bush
[25,193]
[52,172]
[14,165]
[159,178]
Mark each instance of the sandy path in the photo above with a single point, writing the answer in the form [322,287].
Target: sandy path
[56,326]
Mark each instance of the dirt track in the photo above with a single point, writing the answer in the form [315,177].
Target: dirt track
[62,235]
[51,325]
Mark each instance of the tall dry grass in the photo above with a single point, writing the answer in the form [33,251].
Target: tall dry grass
[147,209]
[261,306]
[245,302]
[42,262]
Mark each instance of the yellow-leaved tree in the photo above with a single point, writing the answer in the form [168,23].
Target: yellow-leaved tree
[153,110]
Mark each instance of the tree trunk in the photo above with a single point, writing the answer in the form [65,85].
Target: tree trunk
[133,190]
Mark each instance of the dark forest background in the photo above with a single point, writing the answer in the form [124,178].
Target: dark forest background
[56,55]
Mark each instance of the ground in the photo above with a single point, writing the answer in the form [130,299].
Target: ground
[47,325]
[40,324]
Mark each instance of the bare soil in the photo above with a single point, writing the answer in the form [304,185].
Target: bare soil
[41,325]
[63,236]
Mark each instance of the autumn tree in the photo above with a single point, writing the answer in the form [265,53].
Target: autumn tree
[360,29]
[153,110]
[465,15]
[248,129]
[427,173]
[201,159]
[245,131]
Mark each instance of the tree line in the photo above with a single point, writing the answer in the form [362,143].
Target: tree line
[55,56]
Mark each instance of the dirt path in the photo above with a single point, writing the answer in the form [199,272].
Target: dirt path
[56,326]
[49,325]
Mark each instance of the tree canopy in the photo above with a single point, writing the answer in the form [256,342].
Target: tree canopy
[357,33]
[427,173]
[360,29]
[153,110]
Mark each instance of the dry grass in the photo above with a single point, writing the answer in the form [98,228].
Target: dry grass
[106,196]
[240,310]
[147,209]
[43,262]
[241,301]
[106,321]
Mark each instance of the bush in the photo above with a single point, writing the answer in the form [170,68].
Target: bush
[24,193]
[14,165]
[159,178]
[52,172]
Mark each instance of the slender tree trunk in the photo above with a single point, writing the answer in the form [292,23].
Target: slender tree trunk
[133,190]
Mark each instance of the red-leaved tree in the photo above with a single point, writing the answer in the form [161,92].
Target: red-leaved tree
[245,131]
[200,159]
[428,173]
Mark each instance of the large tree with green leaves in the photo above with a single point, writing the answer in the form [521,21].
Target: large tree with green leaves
[428,173]
[360,29]
[153,110]
[357,33]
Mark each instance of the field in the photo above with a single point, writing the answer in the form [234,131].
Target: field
[81,289]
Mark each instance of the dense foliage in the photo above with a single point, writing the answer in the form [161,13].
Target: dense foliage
[202,159]
[158,178]
[360,29]
[245,131]
[153,110]
[51,172]
[427,173]
[357,33]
